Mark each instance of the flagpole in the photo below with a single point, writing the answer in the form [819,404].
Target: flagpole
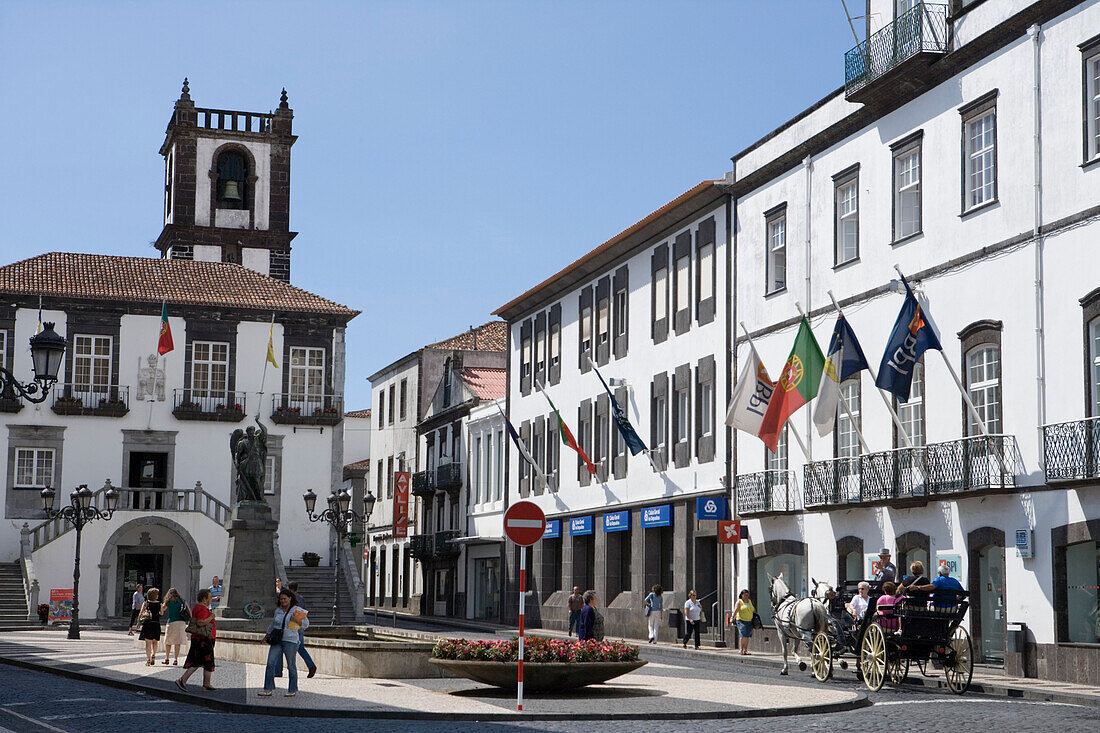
[534,464]
[580,449]
[790,428]
[263,377]
[958,382]
[648,452]
[874,378]
[843,401]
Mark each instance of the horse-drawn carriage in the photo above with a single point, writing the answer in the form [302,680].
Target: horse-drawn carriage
[921,627]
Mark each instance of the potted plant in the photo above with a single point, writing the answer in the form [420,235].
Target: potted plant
[311,559]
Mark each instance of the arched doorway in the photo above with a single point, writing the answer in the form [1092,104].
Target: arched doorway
[986,580]
[149,550]
[913,546]
[849,560]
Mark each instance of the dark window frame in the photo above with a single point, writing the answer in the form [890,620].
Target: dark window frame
[985,332]
[681,250]
[659,261]
[620,312]
[846,177]
[897,150]
[705,374]
[705,234]
[969,113]
[554,327]
[771,216]
[1090,51]
[659,390]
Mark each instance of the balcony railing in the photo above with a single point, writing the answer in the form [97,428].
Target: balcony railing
[422,483]
[85,399]
[920,30]
[421,546]
[445,543]
[195,404]
[1071,450]
[973,464]
[303,409]
[766,492]
[449,476]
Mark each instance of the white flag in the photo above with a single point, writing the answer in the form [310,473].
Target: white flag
[751,395]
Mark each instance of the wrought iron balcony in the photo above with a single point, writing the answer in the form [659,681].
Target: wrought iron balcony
[767,492]
[213,405]
[421,546]
[445,543]
[897,51]
[449,476]
[307,409]
[1071,450]
[973,464]
[86,399]
[422,483]
[832,482]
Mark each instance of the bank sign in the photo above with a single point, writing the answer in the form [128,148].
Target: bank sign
[657,516]
[580,526]
[710,507]
[616,521]
[553,529]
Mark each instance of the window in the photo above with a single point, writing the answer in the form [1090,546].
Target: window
[169,168]
[683,280]
[660,421]
[979,132]
[389,477]
[778,461]
[706,270]
[584,435]
[907,187]
[270,481]
[33,468]
[486,491]
[307,374]
[776,265]
[390,405]
[475,469]
[846,213]
[232,180]
[525,359]
[983,380]
[209,369]
[380,474]
[498,473]
[659,294]
[603,321]
[404,398]
[1094,366]
[555,344]
[706,273]
[620,313]
[847,440]
[912,412]
[682,414]
[540,353]
[381,408]
[3,348]
[903,6]
[1082,579]
[91,363]
[553,450]
[586,332]
[706,407]
[1091,54]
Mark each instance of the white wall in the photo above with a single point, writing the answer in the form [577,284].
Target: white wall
[261,151]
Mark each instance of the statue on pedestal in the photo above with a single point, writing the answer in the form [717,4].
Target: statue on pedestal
[150,380]
[249,449]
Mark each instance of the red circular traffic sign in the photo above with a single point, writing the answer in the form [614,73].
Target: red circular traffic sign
[524,523]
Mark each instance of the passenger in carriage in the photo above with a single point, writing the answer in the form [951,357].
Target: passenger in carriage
[916,576]
[857,607]
[884,608]
[943,582]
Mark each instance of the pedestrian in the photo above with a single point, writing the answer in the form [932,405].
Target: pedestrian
[743,611]
[215,592]
[293,585]
[283,635]
[887,571]
[175,615]
[135,606]
[693,615]
[201,651]
[590,625]
[575,604]
[654,611]
[150,625]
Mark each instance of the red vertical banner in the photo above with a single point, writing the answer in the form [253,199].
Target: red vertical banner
[401,504]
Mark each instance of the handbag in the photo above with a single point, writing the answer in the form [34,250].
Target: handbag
[275,636]
[194,628]
[756,622]
[145,615]
[185,612]
[648,609]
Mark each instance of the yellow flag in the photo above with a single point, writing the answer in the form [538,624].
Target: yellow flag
[271,345]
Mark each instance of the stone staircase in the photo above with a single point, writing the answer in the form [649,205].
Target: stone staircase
[13,600]
[315,585]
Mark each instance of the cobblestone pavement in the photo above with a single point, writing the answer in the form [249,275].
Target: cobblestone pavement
[34,701]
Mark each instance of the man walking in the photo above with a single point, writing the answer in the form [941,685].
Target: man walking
[139,598]
[575,604]
[293,586]
[215,592]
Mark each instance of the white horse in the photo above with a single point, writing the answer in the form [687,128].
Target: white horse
[796,619]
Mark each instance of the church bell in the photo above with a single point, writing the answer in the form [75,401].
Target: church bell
[232,191]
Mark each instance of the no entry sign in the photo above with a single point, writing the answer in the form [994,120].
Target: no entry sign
[524,523]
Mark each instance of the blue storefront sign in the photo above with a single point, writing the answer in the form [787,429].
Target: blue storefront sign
[553,529]
[711,507]
[657,516]
[580,526]
[616,521]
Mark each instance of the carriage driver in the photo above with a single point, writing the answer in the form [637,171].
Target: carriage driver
[889,571]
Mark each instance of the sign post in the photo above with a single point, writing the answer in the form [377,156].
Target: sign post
[524,524]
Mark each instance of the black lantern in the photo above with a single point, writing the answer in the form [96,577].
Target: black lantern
[48,495]
[368,505]
[111,498]
[47,350]
[311,501]
[339,515]
[343,499]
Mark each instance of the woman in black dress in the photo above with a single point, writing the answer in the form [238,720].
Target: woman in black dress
[150,625]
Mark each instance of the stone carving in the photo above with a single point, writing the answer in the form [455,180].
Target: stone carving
[249,449]
[150,380]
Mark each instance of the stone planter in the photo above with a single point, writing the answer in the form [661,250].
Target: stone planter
[538,676]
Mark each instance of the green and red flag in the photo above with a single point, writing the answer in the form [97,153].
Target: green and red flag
[164,345]
[797,385]
[567,437]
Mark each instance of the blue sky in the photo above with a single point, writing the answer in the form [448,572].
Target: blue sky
[450,154]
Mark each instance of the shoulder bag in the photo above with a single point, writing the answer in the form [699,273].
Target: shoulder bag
[276,635]
[194,628]
[756,622]
[185,612]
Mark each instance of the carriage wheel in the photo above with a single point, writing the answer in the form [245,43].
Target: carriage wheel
[897,670]
[872,657]
[961,670]
[821,654]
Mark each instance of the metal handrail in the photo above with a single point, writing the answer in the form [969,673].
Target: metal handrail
[921,29]
[1071,450]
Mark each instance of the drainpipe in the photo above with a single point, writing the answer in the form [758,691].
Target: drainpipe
[808,164]
[1036,233]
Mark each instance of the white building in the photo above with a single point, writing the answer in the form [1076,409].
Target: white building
[481,564]
[964,150]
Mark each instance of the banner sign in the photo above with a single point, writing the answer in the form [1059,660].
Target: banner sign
[401,504]
[616,521]
[580,526]
[874,564]
[952,560]
[657,516]
[729,532]
[711,507]
[61,605]
[553,529]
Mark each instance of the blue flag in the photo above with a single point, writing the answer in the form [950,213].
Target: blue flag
[845,359]
[911,337]
[626,430]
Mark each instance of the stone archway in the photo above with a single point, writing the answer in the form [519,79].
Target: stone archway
[110,551]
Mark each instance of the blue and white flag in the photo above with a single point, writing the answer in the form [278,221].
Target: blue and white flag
[626,430]
[845,359]
[913,334]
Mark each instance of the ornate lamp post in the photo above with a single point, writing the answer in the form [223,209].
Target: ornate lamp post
[47,350]
[79,512]
[339,515]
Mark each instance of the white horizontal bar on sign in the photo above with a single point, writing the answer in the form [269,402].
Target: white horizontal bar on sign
[519,523]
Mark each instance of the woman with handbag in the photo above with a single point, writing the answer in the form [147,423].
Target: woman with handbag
[150,625]
[654,611]
[283,636]
[176,615]
[203,630]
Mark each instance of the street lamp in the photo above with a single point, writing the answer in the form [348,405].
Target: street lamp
[79,512]
[339,516]
[47,350]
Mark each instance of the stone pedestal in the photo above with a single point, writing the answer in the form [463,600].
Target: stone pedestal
[249,580]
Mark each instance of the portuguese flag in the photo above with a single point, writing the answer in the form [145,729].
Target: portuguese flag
[164,345]
[797,385]
[568,439]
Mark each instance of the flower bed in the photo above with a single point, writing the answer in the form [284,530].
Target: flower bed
[537,650]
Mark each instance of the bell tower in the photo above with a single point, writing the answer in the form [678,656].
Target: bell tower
[227,186]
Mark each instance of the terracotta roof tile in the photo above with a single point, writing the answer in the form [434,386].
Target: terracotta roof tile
[491,336]
[144,279]
[358,413]
[489,383]
[358,464]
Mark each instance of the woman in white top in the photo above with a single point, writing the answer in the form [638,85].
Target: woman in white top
[858,605]
[693,614]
